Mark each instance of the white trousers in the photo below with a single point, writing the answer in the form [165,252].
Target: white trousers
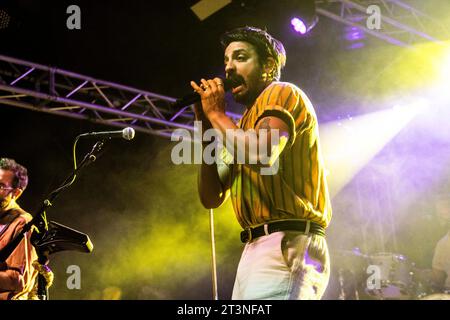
[284,265]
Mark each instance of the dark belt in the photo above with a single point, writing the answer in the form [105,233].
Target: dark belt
[304,226]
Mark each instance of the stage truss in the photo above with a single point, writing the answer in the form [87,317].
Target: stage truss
[47,89]
[401,24]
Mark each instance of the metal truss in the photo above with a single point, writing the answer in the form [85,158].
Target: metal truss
[401,24]
[47,89]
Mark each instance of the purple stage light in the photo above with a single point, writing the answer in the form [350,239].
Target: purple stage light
[355,36]
[301,15]
[357,45]
[298,25]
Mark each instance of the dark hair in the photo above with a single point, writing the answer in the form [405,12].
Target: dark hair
[265,45]
[20,172]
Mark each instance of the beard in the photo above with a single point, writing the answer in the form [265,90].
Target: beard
[247,98]
[253,87]
[4,203]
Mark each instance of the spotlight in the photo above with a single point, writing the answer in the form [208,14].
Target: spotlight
[303,15]
[351,143]
[298,25]
[301,27]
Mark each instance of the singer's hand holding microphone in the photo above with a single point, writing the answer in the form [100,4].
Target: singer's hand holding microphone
[204,90]
[212,94]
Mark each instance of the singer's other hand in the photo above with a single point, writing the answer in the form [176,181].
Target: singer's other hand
[212,94]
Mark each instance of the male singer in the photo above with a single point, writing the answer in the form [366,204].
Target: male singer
[284,214]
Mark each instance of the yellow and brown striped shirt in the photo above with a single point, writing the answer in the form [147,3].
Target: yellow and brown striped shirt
[299,189]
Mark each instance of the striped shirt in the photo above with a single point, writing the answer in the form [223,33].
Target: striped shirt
[299,189]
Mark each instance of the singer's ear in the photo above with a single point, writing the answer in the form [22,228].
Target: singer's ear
[269,65]
[17,193]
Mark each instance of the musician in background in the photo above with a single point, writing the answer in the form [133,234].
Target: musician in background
[17,274]
[441,258]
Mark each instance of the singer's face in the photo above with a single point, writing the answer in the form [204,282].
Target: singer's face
[242,62]
[6,193]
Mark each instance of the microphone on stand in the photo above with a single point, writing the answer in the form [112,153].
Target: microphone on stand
[193,97]
[127,134]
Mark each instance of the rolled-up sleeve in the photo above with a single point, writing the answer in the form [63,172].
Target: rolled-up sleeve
[285,101]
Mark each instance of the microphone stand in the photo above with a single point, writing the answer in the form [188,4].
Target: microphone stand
[213,256]
[40,219]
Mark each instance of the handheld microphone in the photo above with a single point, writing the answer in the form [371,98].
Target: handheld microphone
[127,134]
[193,97]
